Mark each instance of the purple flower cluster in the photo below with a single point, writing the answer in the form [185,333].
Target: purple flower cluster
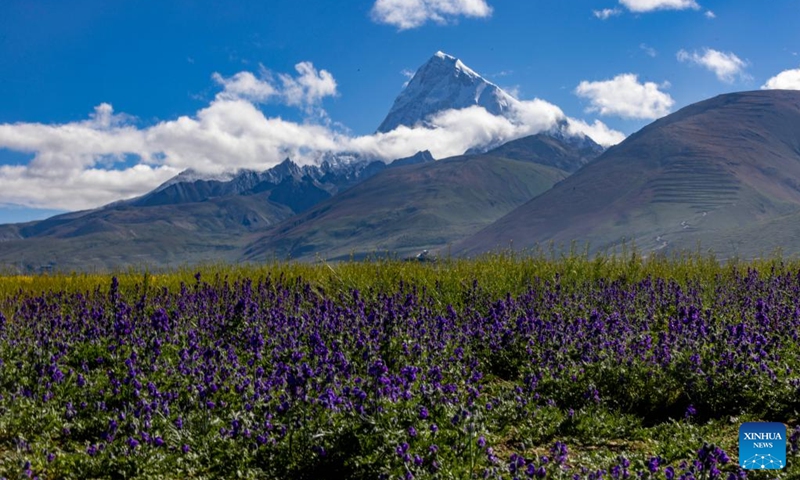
[286,375]
[520,467]
[706,466]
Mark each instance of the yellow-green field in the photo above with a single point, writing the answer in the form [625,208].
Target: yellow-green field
[499,272]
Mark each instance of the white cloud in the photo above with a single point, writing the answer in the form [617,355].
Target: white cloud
[309,88]
[726,66]
[78,189]
[537,115]
[786,80]
[409,74]
[710,14]
[407,14]
[606,13]
[306,90]
[513,90]
[80,164]
[85,164]
[651,5]
[503,73]
[452,132]
[625,97]
[647,49]
[597,131]
[244,85]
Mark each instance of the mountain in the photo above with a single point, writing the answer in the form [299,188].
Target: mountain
[296,186]
[331,206]
[565,153]
[189,219]
[421,206]
[444,83]
[722,174]
[420,157]
[151,236]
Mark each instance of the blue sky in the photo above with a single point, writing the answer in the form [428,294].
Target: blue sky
[105,100]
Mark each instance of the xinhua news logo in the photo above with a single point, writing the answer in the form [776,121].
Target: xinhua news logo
[762,446]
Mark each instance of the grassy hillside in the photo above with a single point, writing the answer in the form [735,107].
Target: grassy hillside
[407,209]
[702,175]
[156,236]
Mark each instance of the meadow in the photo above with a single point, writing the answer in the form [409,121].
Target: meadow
[539,366]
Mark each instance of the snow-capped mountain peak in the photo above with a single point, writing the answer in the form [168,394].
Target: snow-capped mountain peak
[444,83]
[457,64]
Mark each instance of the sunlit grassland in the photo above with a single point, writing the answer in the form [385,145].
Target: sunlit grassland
[498,273]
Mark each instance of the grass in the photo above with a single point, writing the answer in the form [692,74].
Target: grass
[498,273]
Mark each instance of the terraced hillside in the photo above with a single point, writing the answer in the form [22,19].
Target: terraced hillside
[701,184]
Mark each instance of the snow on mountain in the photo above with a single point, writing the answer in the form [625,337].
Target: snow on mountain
[190,175]
[332,173]
[444,83]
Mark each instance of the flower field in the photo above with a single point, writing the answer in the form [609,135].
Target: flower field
[558,368]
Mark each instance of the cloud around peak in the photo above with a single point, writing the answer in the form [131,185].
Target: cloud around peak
[408,14]
[108,157]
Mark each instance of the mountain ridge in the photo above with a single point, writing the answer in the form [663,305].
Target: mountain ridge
[698,175]
[423,206]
